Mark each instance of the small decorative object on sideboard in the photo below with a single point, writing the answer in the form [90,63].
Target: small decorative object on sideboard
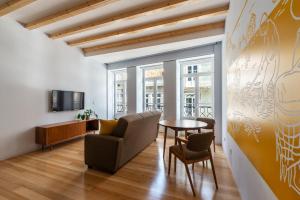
[87,114]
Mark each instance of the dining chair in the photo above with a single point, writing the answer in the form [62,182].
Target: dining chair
[195,148]
[210,127]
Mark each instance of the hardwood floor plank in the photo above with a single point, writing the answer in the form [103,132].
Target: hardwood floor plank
[3,198]
[61,174]
[29,194]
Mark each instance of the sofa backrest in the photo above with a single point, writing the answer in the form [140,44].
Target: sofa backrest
[123,122]
[138,131]
[146,117]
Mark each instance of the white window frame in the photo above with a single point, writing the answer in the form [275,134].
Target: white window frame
[192,62]
[115,82]
[152,67]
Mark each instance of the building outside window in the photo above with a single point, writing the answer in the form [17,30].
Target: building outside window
[197,95]
[120,92]
[153,97]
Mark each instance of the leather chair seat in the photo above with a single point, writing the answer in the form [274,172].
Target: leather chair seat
[188,154]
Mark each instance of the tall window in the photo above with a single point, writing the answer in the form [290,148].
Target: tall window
[120,93]
[153,88]
[197,96]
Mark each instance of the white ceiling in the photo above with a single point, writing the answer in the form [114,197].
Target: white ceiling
[42,8]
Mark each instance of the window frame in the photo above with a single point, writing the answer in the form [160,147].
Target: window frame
[154,79]
[195,76]
[115,82]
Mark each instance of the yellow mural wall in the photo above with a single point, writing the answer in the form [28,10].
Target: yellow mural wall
[264,96]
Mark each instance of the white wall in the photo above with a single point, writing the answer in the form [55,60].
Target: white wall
[171,90]
[110,95]
[31,65]
[218,91]
[131,90]
[249,182]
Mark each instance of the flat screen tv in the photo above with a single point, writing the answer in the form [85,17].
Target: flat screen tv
[66,100]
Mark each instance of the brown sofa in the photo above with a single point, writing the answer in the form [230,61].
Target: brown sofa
[132,135]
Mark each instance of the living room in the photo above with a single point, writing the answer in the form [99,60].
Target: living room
[149,99]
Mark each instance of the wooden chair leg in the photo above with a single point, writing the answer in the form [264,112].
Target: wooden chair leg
[190,179]
[176,142]
[170,158]
[213,169]
[193,166]
[214,145]
[165,139]
[175,163]
[203,163]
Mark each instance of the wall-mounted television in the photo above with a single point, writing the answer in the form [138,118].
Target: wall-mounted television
[66,100]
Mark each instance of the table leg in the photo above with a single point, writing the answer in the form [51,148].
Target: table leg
[176,135]
[165,139]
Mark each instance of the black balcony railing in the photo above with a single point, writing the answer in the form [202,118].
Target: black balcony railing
[189,111]
[205,111]
[154,107]
[121,108]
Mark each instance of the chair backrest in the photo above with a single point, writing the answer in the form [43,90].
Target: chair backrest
[200,142]
[210,122]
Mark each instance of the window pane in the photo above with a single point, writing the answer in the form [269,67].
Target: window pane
[120,97]
[153,73]
[188,97]
[197,87]
[159,94]
[149,95]
[199,65]
[205,96]
[120,93]
[195,69]
[153,89]
[121,75]
[205,66]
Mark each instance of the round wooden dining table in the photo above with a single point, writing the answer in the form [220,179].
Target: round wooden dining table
[180,125]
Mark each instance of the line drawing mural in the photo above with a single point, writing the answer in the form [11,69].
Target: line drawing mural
[263,98]
[287,120]
[254,78]
[293,9]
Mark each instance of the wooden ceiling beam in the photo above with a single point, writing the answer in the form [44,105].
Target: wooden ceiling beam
[118,17]
[13,5]
[93,50]
[156,24]
[64,14]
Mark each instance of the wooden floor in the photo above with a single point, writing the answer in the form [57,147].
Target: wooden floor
[61,174]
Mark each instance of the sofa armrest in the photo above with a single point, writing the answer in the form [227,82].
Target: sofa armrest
[103,152]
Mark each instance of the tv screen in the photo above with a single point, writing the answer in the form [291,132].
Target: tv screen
[67,100]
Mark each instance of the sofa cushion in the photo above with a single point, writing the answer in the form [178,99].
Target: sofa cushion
[120,128]
[123,122]
[107,126]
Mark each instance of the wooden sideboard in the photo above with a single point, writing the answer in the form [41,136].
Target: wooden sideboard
[51,134]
